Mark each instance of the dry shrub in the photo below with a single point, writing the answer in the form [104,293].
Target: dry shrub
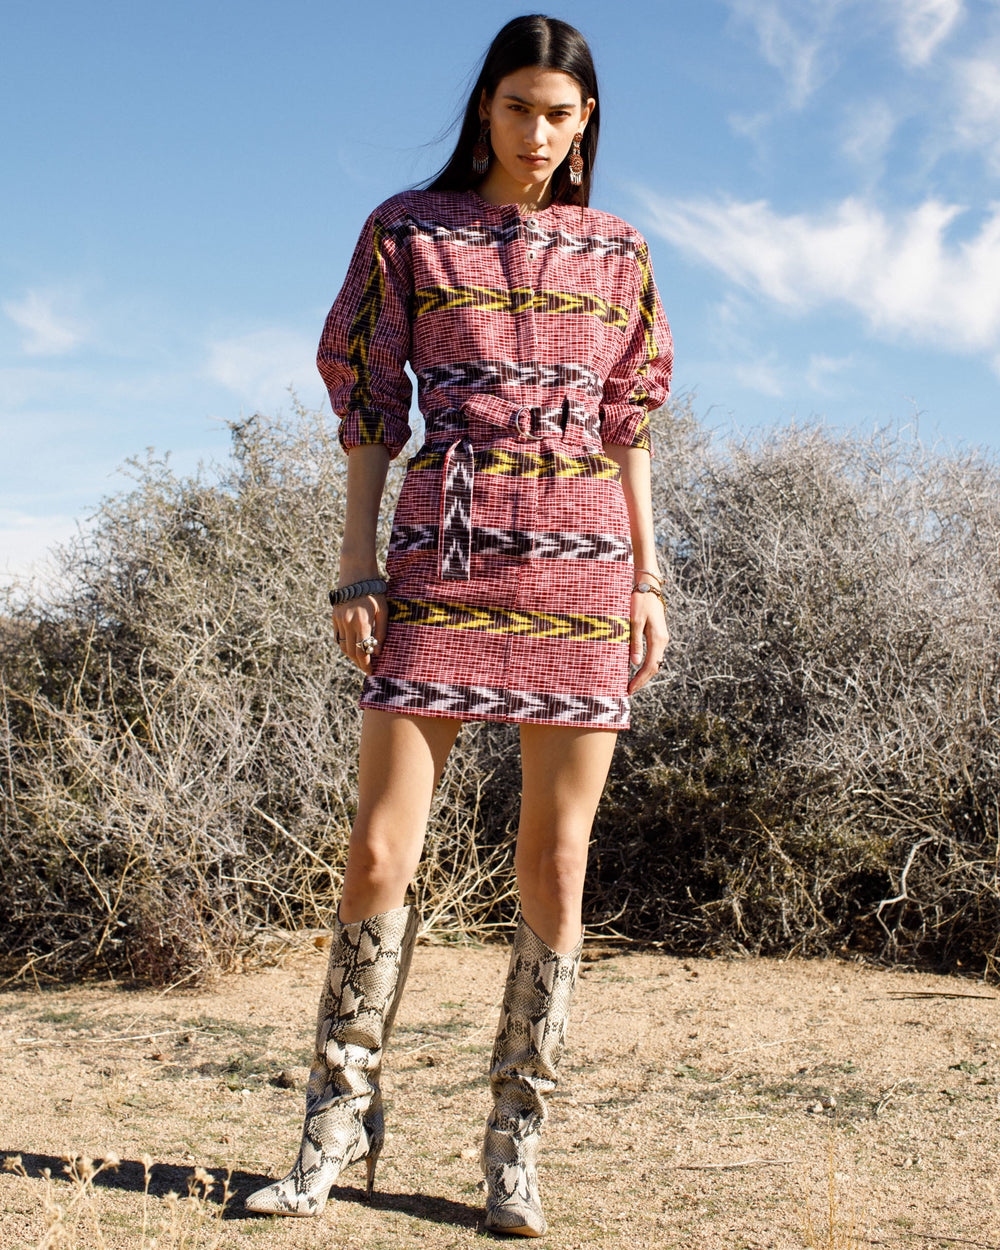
[178,731]
[817,768]
[821,768]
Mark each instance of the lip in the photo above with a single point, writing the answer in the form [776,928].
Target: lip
[534,160]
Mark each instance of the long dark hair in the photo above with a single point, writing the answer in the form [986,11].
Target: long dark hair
[528,41]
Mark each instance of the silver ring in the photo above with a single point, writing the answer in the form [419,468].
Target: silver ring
[368,645]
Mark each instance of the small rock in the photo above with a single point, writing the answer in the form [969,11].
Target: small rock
[815,1108]
[157,1056]
[470,1152]
[428,1061]
[828,1102]
[284,1080]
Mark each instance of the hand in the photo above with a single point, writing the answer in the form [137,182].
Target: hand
[648,637]
[358,619]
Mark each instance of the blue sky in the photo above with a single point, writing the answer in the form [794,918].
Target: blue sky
[819,181]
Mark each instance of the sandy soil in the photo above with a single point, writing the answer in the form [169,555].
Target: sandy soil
[705,1104]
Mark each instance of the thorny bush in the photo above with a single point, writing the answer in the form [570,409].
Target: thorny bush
[816,769]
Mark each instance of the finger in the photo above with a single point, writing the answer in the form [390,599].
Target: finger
[372,617]
[655,638]
[637,646]
[647,671]
[381,619]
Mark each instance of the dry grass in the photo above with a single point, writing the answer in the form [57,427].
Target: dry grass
[189,1222]
[835,1230]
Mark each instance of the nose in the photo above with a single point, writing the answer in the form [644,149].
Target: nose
[536,131]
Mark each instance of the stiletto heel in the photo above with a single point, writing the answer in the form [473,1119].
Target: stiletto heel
[344,1121]
[370,1164]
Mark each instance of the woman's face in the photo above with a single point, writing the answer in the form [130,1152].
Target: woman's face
[533,116]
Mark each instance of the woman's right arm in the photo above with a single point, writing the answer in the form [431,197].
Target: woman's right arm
[362,357]
[360,618]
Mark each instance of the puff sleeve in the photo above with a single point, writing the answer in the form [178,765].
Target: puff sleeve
[639,380]
[366,342]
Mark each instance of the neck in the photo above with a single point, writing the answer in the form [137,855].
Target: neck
[499,188]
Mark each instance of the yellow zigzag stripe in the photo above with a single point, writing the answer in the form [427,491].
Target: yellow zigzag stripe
[547,625]
[518,300]
[361,330]
[498,462]
[647,311]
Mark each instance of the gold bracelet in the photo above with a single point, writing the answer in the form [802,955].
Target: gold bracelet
[644,588]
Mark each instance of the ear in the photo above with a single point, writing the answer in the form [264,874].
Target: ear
[588,108]
[484,107]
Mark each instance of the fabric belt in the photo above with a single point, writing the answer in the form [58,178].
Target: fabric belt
[458,478]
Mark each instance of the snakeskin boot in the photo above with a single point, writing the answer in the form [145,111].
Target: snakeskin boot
[344,1123]
[526,1053]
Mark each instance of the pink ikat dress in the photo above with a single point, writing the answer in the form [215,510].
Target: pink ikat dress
[536,341]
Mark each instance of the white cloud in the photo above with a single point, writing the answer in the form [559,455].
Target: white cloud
[977,85]
[905,275]
[764,376]
[793,52]
[923,25]
[262,365]
[48,324]
[868,132]
[826,374]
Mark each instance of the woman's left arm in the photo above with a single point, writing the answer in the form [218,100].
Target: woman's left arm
[648,625]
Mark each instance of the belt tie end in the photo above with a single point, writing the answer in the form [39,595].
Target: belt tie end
[455,521]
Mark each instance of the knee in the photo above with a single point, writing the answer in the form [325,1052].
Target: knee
[375,866]
[553,878]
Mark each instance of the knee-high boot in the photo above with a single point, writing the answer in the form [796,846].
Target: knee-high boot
[344,1122]
[526,1053]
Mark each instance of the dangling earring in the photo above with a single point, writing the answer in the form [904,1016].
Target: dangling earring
[481,150]
[576,161]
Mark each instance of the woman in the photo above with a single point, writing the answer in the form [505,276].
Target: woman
[522,570]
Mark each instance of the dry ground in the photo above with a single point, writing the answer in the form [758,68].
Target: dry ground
[689,1116]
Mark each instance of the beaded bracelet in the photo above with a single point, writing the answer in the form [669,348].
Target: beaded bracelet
[358,590]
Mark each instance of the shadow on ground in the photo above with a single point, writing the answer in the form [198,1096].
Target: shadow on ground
[130,1176]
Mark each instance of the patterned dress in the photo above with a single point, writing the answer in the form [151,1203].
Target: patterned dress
[535,341]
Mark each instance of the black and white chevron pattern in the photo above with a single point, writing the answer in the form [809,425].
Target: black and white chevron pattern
[494,703]
[489,375]
[455,539]
[532,232]
[517,544]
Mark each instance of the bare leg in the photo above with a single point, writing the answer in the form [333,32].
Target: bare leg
[563,774]
[401,760]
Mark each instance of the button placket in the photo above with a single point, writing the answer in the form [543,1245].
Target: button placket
[522,269]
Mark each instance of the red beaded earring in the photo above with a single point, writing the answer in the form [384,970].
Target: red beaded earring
[576,161]
[481,150]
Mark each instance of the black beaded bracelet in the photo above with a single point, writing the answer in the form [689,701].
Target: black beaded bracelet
[358,590]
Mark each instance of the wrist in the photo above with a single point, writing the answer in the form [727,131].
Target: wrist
[358,566]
